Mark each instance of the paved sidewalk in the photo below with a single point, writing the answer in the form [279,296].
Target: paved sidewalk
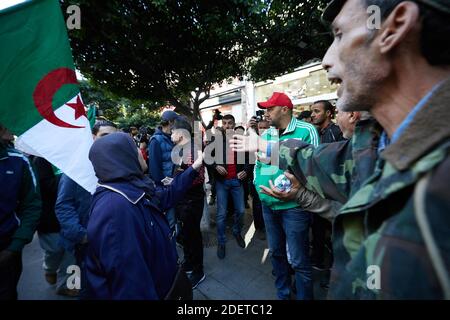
[244,274]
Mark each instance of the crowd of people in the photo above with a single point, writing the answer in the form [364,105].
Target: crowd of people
[348,193]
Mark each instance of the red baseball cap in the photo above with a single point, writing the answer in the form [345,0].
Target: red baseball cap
[278,99]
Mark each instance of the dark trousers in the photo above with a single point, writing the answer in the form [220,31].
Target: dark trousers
[212,181]
[257,208]
[321,231]
[246,186]
[9,277]
[190,214]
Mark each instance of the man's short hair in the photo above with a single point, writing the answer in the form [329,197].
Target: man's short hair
[229,117]
[102,123]
[434,43]
[327,106]
[304,114]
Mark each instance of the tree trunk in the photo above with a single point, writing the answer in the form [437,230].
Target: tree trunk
[196,112]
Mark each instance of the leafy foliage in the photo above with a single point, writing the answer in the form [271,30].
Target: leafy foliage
[290,35]
[168,51]
[122,111]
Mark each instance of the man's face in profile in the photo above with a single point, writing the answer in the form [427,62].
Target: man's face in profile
[353,60]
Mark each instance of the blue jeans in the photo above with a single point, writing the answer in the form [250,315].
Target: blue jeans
[172,220]
[290,226]
[56,258]
[223,188]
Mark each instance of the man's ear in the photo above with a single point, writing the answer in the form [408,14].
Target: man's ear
[353,117]
[397,25]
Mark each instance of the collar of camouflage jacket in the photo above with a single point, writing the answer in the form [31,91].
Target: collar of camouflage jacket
[428,129]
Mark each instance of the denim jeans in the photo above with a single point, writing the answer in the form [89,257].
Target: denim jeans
[56,258]
[223,188]
[172,219]
[291,227]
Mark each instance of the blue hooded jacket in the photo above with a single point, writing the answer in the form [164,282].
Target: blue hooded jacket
[131,253]
[160,163]
[72,210]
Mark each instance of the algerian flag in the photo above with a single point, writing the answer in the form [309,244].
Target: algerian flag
[91,114]
[39,97]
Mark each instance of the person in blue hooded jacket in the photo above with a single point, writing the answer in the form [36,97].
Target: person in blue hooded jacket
[160,163]
[131,253]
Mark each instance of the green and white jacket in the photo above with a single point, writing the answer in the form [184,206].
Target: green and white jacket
[296,129]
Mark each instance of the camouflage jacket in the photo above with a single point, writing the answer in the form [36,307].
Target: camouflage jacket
[379,247]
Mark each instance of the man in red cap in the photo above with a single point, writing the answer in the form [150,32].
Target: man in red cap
[286,222]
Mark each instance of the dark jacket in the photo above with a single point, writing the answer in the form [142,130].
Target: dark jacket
[20,201]
[48,183]
[72,210]
[332,133]
[219,140]
[195,191]
[131,253]
[160,163]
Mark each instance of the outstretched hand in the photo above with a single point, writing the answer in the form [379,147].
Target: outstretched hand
[282,195]
[249,143]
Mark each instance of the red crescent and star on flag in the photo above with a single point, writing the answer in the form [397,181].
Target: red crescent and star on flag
[46,89]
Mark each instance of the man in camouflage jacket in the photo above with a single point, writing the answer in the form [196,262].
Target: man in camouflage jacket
[377,226]
[391,236]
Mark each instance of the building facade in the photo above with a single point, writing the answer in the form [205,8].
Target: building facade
[305,85]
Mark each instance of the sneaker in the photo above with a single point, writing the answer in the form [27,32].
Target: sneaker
[50,278]
[240,241]
[221,251]
[196,278]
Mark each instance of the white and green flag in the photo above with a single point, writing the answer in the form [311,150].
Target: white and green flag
[40,100]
